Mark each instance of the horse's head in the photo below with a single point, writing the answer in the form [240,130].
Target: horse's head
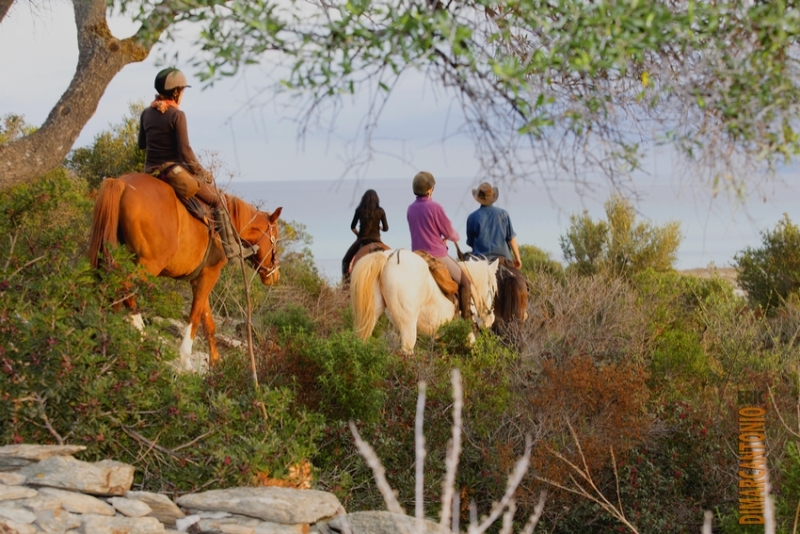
[258,228]
[264,233]
[483,275]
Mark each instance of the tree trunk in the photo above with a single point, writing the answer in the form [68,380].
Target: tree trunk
[101,57]
[4,6]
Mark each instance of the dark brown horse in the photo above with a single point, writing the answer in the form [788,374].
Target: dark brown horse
[511,301]
[143,213]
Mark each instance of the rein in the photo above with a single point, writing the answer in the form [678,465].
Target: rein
[258,265]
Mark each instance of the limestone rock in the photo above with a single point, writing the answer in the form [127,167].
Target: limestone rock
[78,502]
[15,512]
[100,478]
[100,524]
[276,505]
[11,479]
[16,456]
[130,507]
[12,527]
[11,493]
[162,507]
[56,520]
[380,523]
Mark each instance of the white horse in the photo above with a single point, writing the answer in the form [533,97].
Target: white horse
[399,282]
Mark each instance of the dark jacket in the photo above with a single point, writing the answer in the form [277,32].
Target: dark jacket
[165,138]
[370,226]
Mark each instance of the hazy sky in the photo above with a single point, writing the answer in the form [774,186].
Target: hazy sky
[255,136]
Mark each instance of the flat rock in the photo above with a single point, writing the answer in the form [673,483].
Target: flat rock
[56,520]
[15,512]
[100,478]
[381,523]
[100,524]
[162,508]
[15,456]
[130,507]
[17,528]
[12,493]
[78,503]
[11,479]
[272,504]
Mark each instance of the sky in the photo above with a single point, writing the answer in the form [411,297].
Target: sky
[256,138]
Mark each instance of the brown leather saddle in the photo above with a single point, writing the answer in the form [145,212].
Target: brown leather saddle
[440,273]
[185,185]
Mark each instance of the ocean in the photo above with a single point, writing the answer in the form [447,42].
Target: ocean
[714,229]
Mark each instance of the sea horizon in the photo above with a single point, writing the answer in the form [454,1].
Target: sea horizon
[713,229]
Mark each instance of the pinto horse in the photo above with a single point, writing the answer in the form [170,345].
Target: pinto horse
[400,283]
[144,213]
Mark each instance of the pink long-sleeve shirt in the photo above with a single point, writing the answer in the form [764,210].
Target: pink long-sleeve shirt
[429,226]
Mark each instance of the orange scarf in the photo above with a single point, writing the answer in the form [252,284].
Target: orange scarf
[163,105]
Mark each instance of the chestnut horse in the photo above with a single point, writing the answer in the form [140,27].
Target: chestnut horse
[144,213]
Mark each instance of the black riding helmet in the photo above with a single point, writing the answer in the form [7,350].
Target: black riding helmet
[169,79]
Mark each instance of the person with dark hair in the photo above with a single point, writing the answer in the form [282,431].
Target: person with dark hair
[489,229]
[431,229]
[371,219]
[164,137]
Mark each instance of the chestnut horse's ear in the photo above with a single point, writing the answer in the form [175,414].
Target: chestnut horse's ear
[275,215]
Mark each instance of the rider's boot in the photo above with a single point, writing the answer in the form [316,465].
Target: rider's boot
[227,234]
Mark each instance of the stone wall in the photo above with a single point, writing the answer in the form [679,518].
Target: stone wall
[44,489]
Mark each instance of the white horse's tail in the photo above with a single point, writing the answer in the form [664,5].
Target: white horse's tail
[362,280]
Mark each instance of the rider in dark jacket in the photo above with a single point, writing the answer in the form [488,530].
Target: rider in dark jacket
[371,219]
[164,137]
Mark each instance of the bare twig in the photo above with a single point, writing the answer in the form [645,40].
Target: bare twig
[454,451]
[537,514]
[378,471]
[419,441]
[41,401]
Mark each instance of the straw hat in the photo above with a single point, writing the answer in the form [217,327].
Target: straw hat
[485,194]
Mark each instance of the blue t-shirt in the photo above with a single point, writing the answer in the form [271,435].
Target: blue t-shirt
[488,232]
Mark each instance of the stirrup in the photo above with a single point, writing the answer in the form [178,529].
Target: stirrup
[249,251]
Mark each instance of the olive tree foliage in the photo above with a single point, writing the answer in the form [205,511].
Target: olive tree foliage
[547,87]
[620,245]
[770,274]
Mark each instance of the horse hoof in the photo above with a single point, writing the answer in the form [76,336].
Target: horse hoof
[471,338]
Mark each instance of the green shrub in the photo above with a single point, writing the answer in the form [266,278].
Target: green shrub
[341,376]
[536,261]
[770,274]
[620,245]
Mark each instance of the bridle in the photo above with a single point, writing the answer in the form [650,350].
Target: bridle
[258,266]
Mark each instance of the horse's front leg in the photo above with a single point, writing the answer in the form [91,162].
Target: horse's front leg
[201,312]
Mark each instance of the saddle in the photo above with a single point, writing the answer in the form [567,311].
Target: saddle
[186,187]
[440,273]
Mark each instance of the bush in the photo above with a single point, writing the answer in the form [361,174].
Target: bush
[535,261]
[619,245]
[339,376]
[770,274]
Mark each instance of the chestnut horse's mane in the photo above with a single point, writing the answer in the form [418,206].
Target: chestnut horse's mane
[242,213]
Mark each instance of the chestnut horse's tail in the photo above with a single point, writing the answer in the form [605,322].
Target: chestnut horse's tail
[105,219]
[365,273]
